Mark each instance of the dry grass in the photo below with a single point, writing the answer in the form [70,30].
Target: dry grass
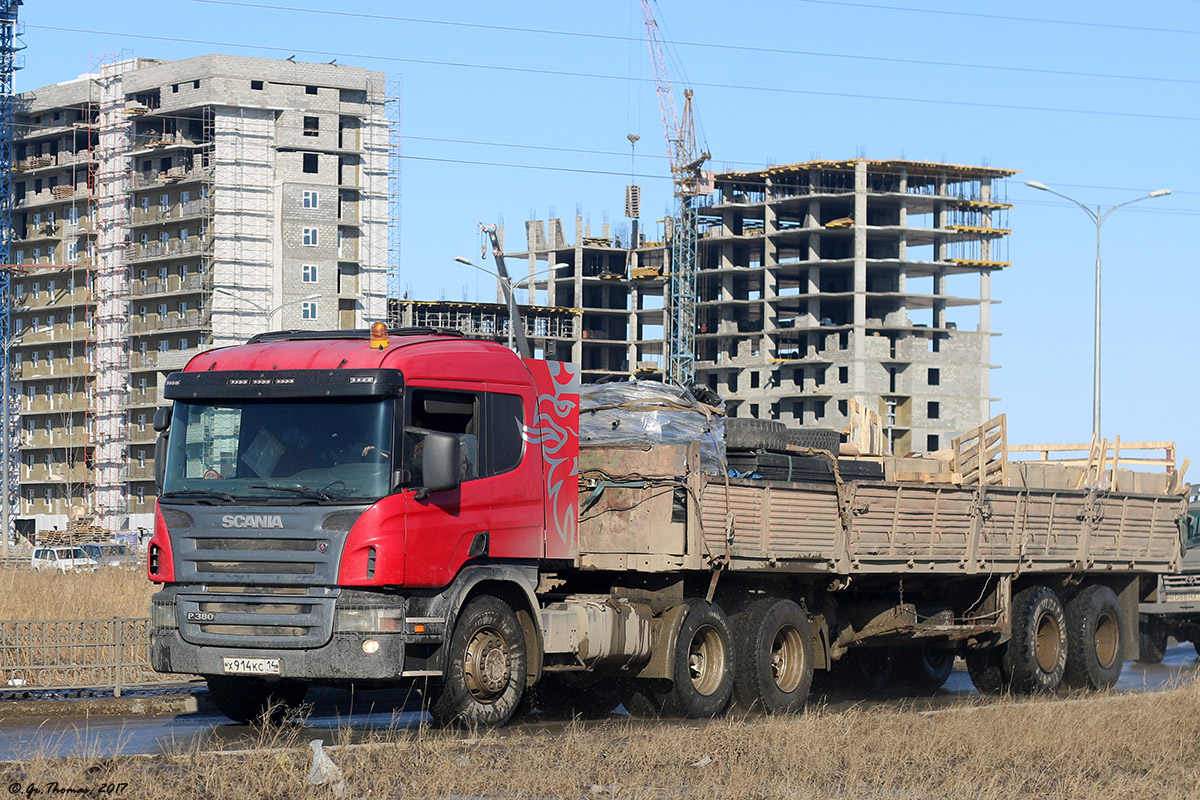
[1104,746]
[102,594]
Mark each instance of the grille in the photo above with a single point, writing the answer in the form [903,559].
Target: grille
[256,620]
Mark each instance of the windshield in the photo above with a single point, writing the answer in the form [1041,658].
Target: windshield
[325,451]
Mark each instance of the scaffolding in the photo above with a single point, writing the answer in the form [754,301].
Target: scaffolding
[243,257]
[109,285]
[375,251]
[395,181]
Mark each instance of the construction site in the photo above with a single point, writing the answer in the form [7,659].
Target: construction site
[818,285]
[160,209]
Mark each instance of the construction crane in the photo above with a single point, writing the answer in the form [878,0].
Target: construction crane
[689,181]
[9,45]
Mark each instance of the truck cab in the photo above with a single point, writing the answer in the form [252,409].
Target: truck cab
[327,500]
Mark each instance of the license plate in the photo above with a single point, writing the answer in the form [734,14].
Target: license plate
[251,666]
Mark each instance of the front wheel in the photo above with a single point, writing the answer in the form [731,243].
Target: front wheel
[249,700]
[485,667]
[703,678]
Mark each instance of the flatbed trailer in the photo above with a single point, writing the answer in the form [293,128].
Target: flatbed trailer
[415,508]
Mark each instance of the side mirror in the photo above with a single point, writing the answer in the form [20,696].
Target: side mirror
[162,418]
[440,462]
[160,455]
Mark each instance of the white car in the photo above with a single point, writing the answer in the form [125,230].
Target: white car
[63,559]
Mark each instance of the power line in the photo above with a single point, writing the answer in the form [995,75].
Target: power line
[1005,17]
[600,76]
[708,45]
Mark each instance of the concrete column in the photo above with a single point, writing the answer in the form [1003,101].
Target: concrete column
[858,343]
[770,287]
[585,318]
[635,330]
[985,311]
[939,254]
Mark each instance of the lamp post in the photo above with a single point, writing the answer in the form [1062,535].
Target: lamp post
[1097,215]
[268,314]
[509,287]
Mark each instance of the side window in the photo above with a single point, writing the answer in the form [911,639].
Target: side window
[445,412]
[506,417]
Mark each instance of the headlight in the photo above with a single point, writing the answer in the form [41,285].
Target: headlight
[369,620]
[162,615]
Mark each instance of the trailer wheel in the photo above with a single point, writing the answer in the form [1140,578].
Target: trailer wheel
[867,669]
[1036,655]
[485,667]
[774,656]
[924,670]
[704,664]
[1095,644]
[249,700]
[984,668]
[1152,639]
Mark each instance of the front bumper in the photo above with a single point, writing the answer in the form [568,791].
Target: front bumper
[342,658]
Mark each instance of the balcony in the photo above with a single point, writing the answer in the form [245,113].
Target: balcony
[152,178]
[173,248]
[158,214]
[155,285]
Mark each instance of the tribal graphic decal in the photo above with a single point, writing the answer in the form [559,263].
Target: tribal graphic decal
[556,429]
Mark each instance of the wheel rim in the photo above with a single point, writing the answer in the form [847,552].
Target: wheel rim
[1108,640]
[486,665]
[787,659]
[706,660]
[1048,642]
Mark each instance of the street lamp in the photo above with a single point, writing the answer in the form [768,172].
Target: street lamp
[508,287]
[1097,216]
[268,314]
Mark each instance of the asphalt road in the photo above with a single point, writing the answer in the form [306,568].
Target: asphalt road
[334,716]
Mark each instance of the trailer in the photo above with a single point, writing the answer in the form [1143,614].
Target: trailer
[414,508]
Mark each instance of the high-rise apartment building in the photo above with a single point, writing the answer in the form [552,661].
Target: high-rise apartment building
[162,208]
[820,283]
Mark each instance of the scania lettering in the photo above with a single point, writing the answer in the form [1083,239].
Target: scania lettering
[414,508]
[255,521]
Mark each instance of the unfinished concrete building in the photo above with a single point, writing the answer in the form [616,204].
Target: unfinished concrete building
[162,208]
[820,282]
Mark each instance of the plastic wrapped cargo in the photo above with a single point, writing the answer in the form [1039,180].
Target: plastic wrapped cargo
[648,412]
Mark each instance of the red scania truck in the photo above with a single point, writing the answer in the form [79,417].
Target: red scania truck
[388,508]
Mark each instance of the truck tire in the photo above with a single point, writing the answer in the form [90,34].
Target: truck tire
[576,695]
[1152,639]
[773,657]
[1036,655]
[755,434]
[983,665]
[826,439]
[251,700]
[924,670]
[867,669]
[702,682]
[485,667]
[1095,643]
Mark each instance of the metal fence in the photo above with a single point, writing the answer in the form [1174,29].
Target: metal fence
[76,654]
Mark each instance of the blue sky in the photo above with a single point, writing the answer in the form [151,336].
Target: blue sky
[521,109]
